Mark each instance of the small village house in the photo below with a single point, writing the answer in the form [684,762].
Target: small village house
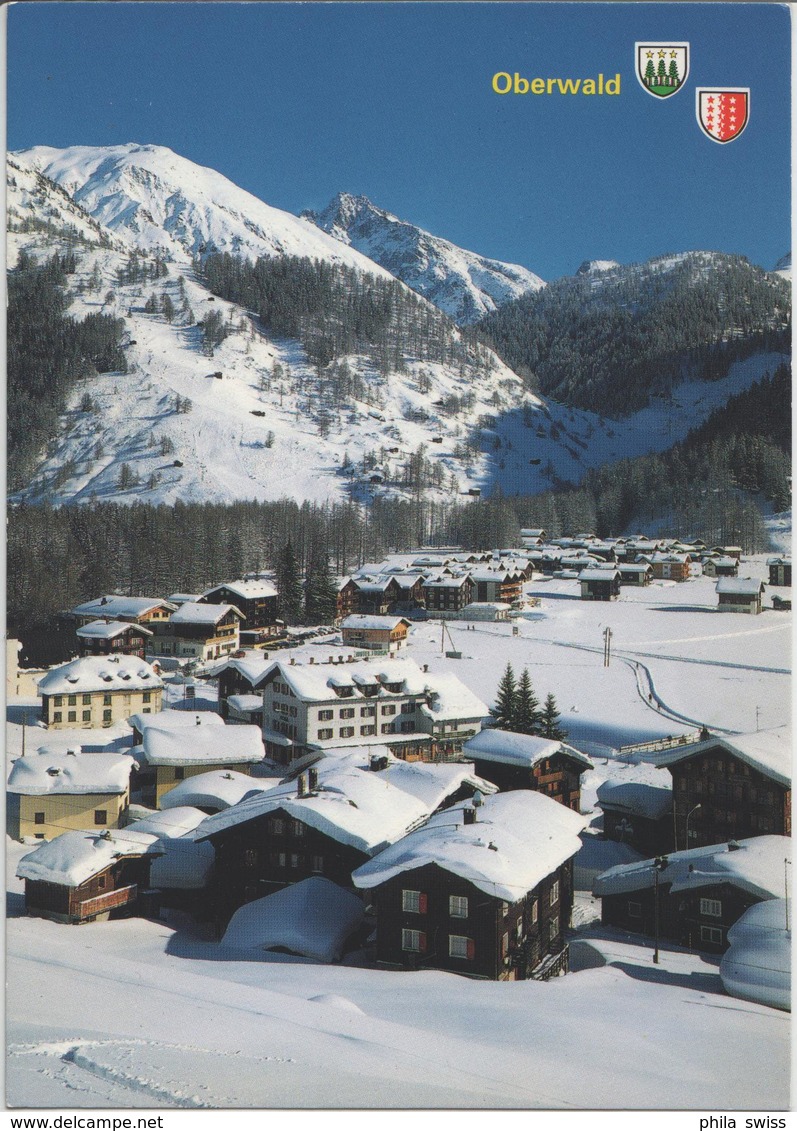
[636,801]
[256,600]
[779,571]
[178,753]
[81,877]
[104,638]
[98,691]
[386,635]
[600,584]
[199,631]
[526,761]
[484,890]
[701,891]
[50,792]
[739,595]
[446,596]
[635,573]
[148,611]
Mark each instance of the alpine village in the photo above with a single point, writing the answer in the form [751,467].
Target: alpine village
[350,622]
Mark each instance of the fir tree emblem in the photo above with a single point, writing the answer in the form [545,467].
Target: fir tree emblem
[662,68]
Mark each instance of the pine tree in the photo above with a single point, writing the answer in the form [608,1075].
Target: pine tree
[289,585]
[526,718]
[503,711]
[320,593]
[549,720]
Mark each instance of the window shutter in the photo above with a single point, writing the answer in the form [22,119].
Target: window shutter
[471,948]
[422,939]
[422,902]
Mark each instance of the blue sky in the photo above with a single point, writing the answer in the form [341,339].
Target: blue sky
[296,102]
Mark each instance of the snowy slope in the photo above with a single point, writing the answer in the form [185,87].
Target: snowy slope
[157,199]
[463,284]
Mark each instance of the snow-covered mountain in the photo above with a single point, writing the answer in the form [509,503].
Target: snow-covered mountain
[463,284]
[155,199]
[783,266]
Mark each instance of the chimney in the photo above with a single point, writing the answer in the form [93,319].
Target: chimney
[469,816]
[312,659]
[313,778]
[426,667]
[477,799]
[301,784]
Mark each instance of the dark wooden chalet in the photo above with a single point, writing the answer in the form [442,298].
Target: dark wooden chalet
[637,808]
[779,571]
[600,584]
[256,600]
[444,898]
[727,788]
[446,596]
[105,638]
[525,761]
[701,892]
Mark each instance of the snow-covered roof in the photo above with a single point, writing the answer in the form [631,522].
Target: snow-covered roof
[756,866]
[217,789]
[363,620]
[757,964]
[196,745]
[182,863]
[114,605]
[100,673]
[249,590]
[173,720]
[317,682]
[431,782]
[598,575]
[181,598]
[176,822]
[74,857]
[109,630]
[495,745]
[768,751]
[359,809]
[447,582]
[781,560]
[743,586]
[245,703]
[517,840]
[451,700]
[198,612]
[251,666]
[642,790]
[45,772]
[313,918]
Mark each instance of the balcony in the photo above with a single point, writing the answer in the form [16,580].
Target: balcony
[99,904]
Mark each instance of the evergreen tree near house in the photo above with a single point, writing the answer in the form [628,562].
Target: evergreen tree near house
[505,706]
[289,585]
[526,716]
[320,591]
[549,720]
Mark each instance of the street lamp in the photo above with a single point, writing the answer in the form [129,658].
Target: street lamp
[688,815]
[659,864]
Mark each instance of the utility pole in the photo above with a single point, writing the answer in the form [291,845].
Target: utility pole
[607,646]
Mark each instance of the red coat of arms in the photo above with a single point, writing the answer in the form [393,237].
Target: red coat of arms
[723,113]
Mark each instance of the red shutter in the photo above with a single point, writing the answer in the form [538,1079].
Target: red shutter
[422,902]
[471,948]
[421,941]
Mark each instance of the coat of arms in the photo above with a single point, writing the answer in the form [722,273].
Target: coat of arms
[723,113]
[662,67]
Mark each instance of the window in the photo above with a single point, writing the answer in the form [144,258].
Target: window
[347,712]
[325,715]
[86,715]
[100,816]
[86,700]
[460,947]
[414,901]
[71,700]
[554,897]
[106,700]
[146,697]
[413,940]
[346,732]
[553,929]
[534,910]
[71,717]
[38,818]
[58,700]
[318,863]
[408,727]
[711,935]
[386,728]
[276,826]
[711,907]
[295,860]
[250,857]
[458,906]
[389,709]
[368,730]
[179,773]
[101,881]
[634,909]
[324,733]
[297,828]
[505,944]
[57,716]
[367,712]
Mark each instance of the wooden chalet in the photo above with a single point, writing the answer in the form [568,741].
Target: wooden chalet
[199,630]
[779,571]
[600,584]
[257,602]
[714,565]
[81,877]
[484,890]
[637,808]
[383,634]
[702,891]
[102,638]
[148,611]
[739,595]
[728,788]
[635,573]
[670,567]
[446,596]
[525,761]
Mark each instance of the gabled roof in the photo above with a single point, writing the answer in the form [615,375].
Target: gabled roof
[198,612]
[74,857]
[755,866]
[100,673]
[768,751]
[517,840]
[109,630]
[115,605]
[641,790]
[72,772]
[174,720]
[743,586]
[513,749]
[249,590]
[598,575]
[215,789]
[363,620]
[198,745]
